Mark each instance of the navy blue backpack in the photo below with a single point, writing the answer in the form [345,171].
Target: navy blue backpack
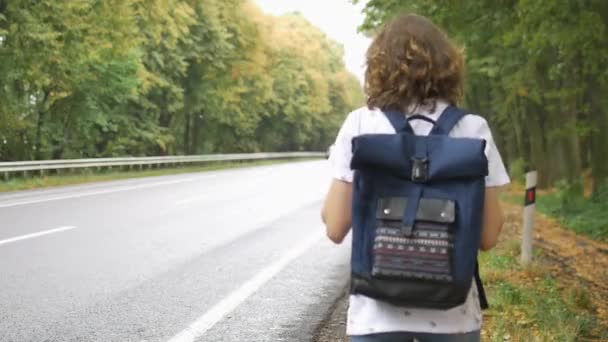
[417,214]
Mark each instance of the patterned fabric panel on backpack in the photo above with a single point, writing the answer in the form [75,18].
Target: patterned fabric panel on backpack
[424,253]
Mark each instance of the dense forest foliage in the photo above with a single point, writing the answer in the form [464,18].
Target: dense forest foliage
[537,70]
[157,77]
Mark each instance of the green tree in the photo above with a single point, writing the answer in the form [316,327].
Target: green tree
[53,54]
[149,77]
[536,71]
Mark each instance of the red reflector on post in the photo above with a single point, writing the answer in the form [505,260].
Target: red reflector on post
[530,196]
[526,240]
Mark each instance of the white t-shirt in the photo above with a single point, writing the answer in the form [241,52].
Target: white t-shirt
[367,315]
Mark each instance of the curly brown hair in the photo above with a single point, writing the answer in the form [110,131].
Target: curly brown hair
[412,62]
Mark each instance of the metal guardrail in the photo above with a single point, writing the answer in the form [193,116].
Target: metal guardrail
[41,166]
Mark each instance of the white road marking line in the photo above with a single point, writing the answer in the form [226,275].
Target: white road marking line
[62,190]
[191,199]
[234,299]
[100,192]
[35,235]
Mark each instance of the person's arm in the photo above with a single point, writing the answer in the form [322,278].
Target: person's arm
[493,219]
[337,210]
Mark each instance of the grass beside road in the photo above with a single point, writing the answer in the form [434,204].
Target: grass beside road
[585,215]
[90,176]
[533,303]
[559,297]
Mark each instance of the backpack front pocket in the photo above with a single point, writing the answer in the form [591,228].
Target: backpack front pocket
[425,253]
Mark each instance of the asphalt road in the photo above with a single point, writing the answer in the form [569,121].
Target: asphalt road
[234,255]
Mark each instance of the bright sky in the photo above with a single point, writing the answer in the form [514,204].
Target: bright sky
[339,19]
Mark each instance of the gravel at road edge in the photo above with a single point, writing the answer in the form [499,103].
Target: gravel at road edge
[333,328]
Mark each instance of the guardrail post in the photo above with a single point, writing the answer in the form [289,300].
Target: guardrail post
[6,176]
[530,200]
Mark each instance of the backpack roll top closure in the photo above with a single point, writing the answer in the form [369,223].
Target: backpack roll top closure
[446,158]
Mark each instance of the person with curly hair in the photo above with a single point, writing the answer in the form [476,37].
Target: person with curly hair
[414,68]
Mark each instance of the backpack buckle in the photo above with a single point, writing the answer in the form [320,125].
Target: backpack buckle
[420,170]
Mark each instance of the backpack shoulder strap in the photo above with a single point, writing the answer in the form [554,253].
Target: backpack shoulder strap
[483,299]
[448,119]
[399,121]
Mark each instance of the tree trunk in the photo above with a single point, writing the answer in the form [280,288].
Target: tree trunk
[39,124]
[599,150]
[198,123]
[38,138]
[186,148]
[598,140]
[62,144]
[535,148]
[564,143]
[524,134]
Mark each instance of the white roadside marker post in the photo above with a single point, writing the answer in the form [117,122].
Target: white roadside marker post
[529,208]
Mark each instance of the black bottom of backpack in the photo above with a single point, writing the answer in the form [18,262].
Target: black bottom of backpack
[411,293]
